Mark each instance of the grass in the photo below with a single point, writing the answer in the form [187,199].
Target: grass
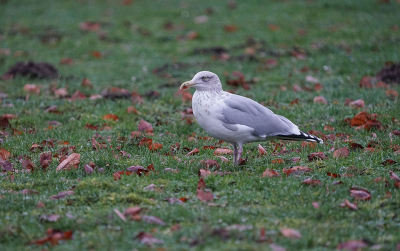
[344,41]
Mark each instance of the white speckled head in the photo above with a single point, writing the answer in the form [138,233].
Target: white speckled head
[204,81]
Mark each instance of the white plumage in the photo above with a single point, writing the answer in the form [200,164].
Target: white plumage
[237,119]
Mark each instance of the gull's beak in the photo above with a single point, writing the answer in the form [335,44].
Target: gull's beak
[187,84]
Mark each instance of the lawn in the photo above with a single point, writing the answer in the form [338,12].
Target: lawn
[120,64]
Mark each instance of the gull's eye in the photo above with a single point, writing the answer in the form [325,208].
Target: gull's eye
[205,79]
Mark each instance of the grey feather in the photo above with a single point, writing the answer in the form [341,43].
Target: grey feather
[244,111]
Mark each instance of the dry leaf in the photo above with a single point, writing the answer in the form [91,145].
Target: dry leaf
[145,126]
[270,173]
[120,215]
[72,161]
[341,152]
[320,100]
[220,151]
[202,195]
[110,117]
[311,182]
[290,233]
[4,154]
[354,245]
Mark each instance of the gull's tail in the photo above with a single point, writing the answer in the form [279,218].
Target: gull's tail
[301,137]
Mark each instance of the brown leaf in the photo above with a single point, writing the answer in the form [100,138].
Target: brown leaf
[86,82]
[202,195]
[360,193]
[4,154]
[31,88]
[45,160]
[29,192]
[220,151]
[67,61]
[28,165]
[204,173]
[394,176]
[61,92]
[388,162]
[153,220]
[270,173]
[290,233]
[341,152]
[132,211]
[145,126]
[396,132]
[277,161]
[294,102]
[110,117]
[119,214]
[353,245]
[354,146]
[139,170]
[311,182]
[71,162]
[77,95]
[40,205]
[320,100]
[348,204]
[117,175]
[53,236]
[392,94]
[210,163]
[36,148]
[261,150]
[88,169]
[186,96]
[148,239]
[317,156]
[5,120]
[333,175]
[365,82]
[230,28]
[155,146]
[132,109]
[359,103]
[296,170]
[62,195]
[90,26]
[315,204]
[50,217]
[6,165]
[193,152]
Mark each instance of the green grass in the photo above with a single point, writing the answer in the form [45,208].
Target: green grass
[345,41]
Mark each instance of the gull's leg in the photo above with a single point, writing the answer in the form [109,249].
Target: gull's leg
[235,153]
[239,153]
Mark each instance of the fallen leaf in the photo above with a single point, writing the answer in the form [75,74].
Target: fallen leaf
[354,146]
[311,79]
[296,170]
[31,88]
[40,205]
[290,233]
[353,245]
[132,109]
[270,173]
[230,28]
[148,239]
[29,192]
[132,211]
[220,151]
[185,95]
[277,161]
[145,126]
[88,169]
[348,204]
[62,195]
[320,100]
[393,94]
[72,161]
[202,195]
[53,236]
[333,175]
[315,204]
[394,176]
[77,96]
[341,152]
[311,182]
[153,220]
[365,82]
[67,61]
[261,150]
[86,83]
[110,117]
[359,103]
[6,165]
[193,152]
[28,165]
[276,247]
[50,217]
[117,175]
[317,156]
[4,154]
[119,214]
[210,163]
[45,160]
[139,170]
[36,148]
[388,162]
[360,193]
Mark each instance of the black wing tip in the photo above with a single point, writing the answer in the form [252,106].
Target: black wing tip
[302,137]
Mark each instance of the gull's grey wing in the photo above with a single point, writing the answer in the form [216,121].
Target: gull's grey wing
[244,111]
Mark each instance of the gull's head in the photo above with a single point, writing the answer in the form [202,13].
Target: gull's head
[204,81]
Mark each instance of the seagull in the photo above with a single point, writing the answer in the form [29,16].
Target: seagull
[236,119]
